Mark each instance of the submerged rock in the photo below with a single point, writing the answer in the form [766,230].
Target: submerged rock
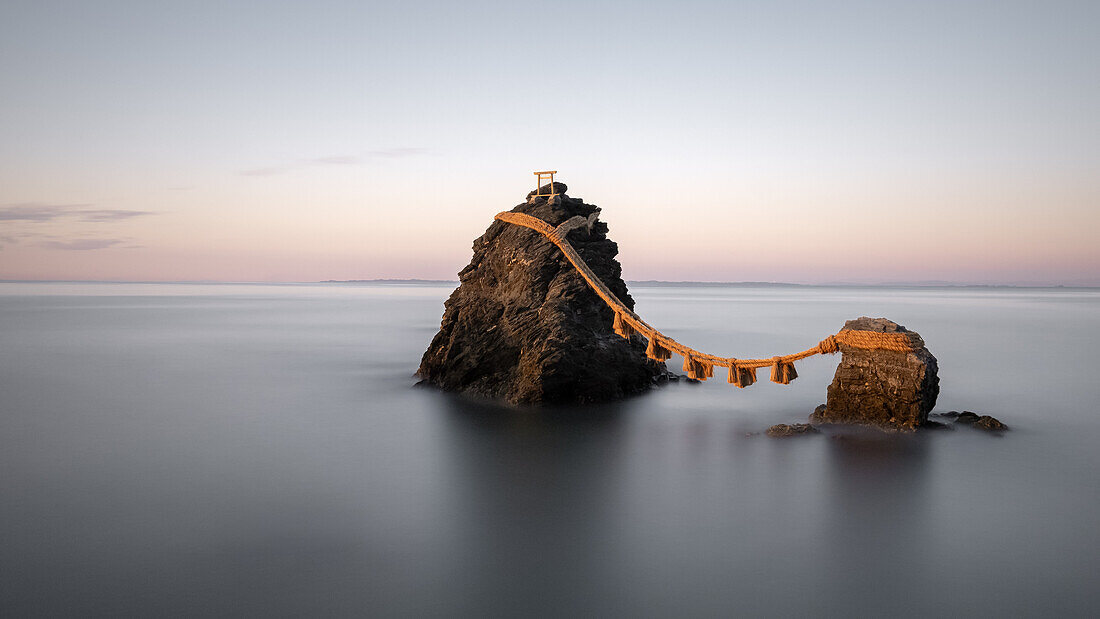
[782,430]
[981,422]
[887,389]
[965,418]
[985,422]
[525,327]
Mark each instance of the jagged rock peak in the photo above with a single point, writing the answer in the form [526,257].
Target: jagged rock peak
[524,326]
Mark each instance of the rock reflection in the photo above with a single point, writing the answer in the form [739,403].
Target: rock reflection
[530,492]
[878,514]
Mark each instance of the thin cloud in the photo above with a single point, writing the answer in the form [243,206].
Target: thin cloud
[384,153]
[337,160]
[38,224]
[80,244]
[35,211]
[395,153]
[111,215]
[268,171]
[39,212]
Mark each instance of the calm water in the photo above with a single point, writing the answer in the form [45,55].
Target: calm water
[230,450]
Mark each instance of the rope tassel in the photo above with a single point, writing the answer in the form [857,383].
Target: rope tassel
[697,370]
[741,377]
[689,367]
[622,327]
[783,372]
[656,351]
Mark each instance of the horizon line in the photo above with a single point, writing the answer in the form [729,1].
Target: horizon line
[642,282]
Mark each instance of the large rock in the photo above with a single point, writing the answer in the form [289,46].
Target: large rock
[525,327]
[882,388]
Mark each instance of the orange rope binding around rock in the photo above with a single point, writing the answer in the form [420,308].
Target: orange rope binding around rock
[697,364]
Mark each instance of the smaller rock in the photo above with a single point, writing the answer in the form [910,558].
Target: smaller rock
[947,415]
[892,390]
[782,430]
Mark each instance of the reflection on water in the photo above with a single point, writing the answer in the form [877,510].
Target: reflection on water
[262,450]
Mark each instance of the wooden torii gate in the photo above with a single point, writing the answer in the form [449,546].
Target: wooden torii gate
[538,185]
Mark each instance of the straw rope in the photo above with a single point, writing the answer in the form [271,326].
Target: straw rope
[697,364]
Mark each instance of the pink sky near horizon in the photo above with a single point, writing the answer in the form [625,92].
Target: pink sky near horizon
[780,239]
[864,143]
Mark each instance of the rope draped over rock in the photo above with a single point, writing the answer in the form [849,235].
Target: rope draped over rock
[697,364]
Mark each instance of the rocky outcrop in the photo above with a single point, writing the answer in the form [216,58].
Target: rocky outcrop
[525,327]
[887,389]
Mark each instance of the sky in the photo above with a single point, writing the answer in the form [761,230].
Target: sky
[804,142]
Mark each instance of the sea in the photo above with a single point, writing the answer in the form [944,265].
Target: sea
[242,450]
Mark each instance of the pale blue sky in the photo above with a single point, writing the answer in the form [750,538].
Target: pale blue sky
[859,141]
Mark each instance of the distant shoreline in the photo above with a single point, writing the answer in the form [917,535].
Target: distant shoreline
[657,283]
[649,283]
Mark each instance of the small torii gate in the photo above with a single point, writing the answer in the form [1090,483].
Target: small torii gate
[538,186]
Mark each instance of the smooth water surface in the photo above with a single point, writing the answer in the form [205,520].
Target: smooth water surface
[250,449]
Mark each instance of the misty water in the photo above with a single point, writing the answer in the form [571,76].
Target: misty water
[172,449]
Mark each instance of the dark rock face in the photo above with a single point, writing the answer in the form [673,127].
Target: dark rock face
[524,326]
[882,388]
